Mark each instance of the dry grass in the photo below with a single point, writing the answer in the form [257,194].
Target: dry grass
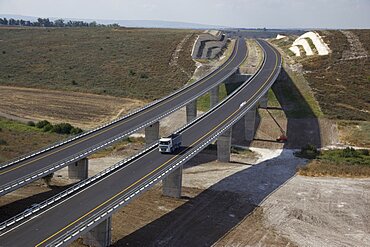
[80,109]
[355,133]
[120,148]
[122,62]
[21,139]
[340,86]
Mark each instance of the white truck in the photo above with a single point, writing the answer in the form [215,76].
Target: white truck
[170,144]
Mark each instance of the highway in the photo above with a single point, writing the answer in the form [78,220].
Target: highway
[68,219]
[33,168]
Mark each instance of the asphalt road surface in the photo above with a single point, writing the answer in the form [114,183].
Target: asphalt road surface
[40,162]
[54,222]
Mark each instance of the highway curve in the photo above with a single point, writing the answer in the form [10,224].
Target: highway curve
[67,217]
[19,174]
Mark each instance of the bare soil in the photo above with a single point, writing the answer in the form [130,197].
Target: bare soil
[256,200]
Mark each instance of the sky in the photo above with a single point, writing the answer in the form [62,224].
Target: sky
[231,13]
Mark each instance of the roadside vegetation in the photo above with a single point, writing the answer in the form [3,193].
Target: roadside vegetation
[60,128]
[18,138]
[204,102]
[124,62]
[346,162]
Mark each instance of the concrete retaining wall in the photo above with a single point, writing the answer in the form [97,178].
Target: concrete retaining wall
[209,46]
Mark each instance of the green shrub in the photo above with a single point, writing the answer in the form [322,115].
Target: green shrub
[144,76]
[364,152]
[76,130]
[62,128]
[131,72]
[349,153]
[42,124]
[309,152]
[47,127]
[31,123]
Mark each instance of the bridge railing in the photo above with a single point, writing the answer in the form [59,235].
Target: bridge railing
[60,143]
[107,211]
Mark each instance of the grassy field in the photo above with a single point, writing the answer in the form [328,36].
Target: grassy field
[58,67]
[17,139]
[340,163]
[123,62]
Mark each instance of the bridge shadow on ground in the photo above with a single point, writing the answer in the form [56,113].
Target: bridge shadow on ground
[206,218]
[297,119]
[15,207]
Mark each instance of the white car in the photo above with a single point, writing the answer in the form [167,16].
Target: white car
[242,104]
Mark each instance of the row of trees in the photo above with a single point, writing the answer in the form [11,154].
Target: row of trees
[45,22]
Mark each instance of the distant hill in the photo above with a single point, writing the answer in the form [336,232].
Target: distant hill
[126,23]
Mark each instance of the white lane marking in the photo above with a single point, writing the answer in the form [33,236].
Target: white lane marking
[43,212]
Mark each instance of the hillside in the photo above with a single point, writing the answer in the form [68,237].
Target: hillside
[121,62]
[340,80]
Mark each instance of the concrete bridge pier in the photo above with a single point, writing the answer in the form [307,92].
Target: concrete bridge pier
[250,123]
[172,184]
[191,111]
[152,133]
[214,96]
[224,146]
[264,100]
[79,169]
[100,235]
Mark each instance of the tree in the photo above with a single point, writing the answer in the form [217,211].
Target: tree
[92,24]
[59,23]
[11,22]
[3,21]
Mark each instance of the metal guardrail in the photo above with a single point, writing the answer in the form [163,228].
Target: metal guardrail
[98,217]
[72,189]
[58,165]
[57,144]
[127,197]
[28,212]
